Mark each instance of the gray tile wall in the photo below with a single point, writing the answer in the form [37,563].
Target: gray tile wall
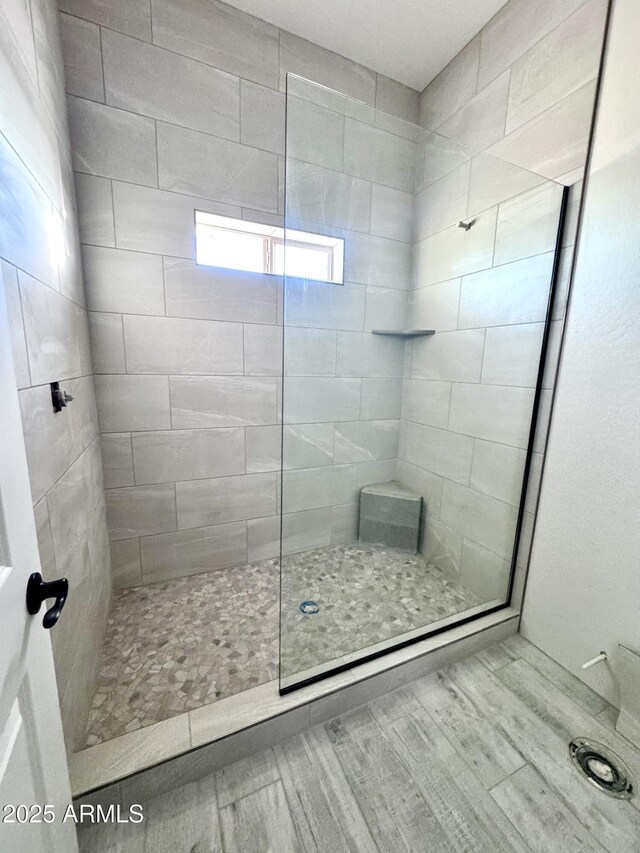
[176,107]
[352,174]
[41,275]
[523,91]
[523,88]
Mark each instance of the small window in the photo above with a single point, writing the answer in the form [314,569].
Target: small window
[239,245]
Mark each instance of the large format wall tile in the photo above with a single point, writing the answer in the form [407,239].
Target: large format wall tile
[555,142]
[494,180]
[311,488]
[219,35]
[436,306]
[528,224]
[454,252]
[170,87]
[9,281]
[72,502]
[497,413]
[127,16]
[379,156]
[107,343]
[262,350]
[82,58]
[56,333]
[325,306]
[171,455]
[117,459]
[214,293]
[140,510]
[426,402]
[133,403]
[314,134]
[437,156]
[315,399]
[219,401]
[498,470]
[386,308]
[449,356]
[439,451]
[263,538]
[112,143]
[309,352]
[125,563]
[308,446]
[149,220]
[217,168]
[442,545]
[364,441]
[377,261]
[561,63]
[262,117]
[304,530]
[313,62]
[516,28]
[392,213]
[512,355]
[188,346]
[523,90]
[264,449]
[95,210]
[380,399]
[483,572]
[364,354]
[511,293]
[396,99]
[452,88]
[480,122]
[26,225]
[444,202]
[187,552]
[124,282]
[54,441]
[202,503]
[326,198]
[487,521]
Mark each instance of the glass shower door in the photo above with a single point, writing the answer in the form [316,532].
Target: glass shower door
[416,306]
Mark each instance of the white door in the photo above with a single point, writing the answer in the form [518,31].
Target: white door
[33,765]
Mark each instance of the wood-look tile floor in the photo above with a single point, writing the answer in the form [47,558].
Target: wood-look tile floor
[471,758]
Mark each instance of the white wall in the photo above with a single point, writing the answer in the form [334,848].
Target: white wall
[583,591]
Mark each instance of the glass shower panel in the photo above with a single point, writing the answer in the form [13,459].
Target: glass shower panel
[409,389]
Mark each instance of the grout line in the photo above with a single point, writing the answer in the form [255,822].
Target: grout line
[104,85]
[513,773]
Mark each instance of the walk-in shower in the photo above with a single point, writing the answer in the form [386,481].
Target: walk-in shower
[345,415]
[416,379]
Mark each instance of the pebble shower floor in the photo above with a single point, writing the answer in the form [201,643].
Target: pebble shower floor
[175,646]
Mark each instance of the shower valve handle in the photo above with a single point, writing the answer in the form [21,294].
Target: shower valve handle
[39,590]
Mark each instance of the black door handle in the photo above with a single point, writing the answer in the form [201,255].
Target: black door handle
[39,590]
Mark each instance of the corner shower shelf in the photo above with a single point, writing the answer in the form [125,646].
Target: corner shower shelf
[409,333]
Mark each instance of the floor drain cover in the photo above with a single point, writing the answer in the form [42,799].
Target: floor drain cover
[309,607]
[602,768]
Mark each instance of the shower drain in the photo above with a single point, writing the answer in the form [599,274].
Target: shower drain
[309,607]
[602,768]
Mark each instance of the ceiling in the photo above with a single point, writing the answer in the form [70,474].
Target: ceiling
[407,40]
